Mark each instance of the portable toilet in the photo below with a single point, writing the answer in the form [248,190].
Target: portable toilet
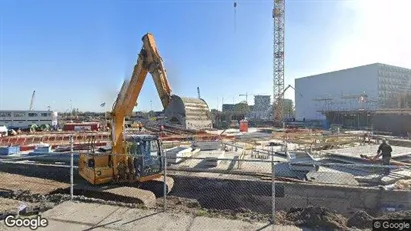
[244,125]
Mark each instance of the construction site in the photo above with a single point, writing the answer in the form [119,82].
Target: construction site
[314,169]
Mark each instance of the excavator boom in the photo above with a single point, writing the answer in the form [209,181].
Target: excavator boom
[136,158]
[157,70]
[149,60]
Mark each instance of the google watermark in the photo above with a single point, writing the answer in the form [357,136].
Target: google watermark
[33,222]
[392,224]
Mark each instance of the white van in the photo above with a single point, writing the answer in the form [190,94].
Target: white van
[3,130]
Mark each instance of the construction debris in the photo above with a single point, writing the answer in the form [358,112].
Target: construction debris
[403,185]
[361,220]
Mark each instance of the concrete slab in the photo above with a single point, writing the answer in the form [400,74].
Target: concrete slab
[332,178]
[394,176]
[84,216]
[71,211]
[208,145]
[212,158]
[175,154]
[217,224]
[370,150]
[146,220]
[263,166]
[301,161]
[53,225]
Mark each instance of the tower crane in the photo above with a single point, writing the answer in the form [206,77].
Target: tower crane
[278,67]
[32,101]
[278,15]
[246,96]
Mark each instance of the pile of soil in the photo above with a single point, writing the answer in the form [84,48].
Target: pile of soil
[192,206]
[179,204]
[360,220]
[239,214]
[316,217]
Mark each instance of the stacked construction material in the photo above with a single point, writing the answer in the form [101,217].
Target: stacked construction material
[9,150]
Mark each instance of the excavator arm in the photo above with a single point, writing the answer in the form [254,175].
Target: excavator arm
[157,70]
[149,60]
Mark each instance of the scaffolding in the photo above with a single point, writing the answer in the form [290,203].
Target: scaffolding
[351,111]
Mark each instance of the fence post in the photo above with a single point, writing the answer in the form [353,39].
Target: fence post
[272,186]
[165,182]
[71,167]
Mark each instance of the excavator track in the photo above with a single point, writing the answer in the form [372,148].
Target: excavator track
[145,193]
[156,186]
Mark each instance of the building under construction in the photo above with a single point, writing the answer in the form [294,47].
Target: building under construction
[354,98]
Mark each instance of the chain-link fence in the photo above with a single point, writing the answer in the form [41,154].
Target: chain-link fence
[270,184]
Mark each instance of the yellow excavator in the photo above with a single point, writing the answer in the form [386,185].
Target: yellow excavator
[135,160]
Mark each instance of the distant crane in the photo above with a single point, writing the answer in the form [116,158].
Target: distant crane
[32,101]
[246,96]
[198,92]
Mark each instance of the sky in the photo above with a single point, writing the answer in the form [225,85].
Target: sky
[76,54]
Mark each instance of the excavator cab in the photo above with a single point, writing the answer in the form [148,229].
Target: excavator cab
[143,162]
[146,152]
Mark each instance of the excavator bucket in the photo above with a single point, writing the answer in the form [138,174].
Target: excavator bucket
[188,113]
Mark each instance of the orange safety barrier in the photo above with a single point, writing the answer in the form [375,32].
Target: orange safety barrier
[63,138]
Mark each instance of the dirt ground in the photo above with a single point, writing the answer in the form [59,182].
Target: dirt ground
[32,184]
[34,194]
[308,217]
[361,220]
[316,217]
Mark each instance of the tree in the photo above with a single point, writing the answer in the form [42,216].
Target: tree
[288,108]
[241,108]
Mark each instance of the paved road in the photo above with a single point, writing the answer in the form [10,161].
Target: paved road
[72,216]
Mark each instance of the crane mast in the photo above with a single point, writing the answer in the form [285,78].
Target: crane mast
[246,96]
[278,54]
[32,101]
